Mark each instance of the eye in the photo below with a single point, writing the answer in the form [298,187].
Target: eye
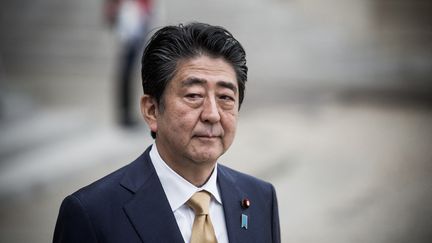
[193,96]
[226,98]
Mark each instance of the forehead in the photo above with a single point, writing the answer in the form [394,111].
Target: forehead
[206,68]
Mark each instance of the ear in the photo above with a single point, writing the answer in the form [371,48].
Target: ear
[149,111]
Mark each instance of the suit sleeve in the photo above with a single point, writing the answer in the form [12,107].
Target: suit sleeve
[276,237]
[73,223]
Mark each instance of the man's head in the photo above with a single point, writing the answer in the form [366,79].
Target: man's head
[194,79]
[172,44]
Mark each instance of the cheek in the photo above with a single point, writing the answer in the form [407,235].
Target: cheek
[229,123]
[183,120]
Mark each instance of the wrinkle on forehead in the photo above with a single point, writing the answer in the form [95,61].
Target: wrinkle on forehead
[191,81]
[204,64]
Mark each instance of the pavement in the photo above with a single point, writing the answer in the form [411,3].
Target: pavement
[346,168]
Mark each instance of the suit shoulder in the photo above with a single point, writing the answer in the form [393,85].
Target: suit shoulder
[100,187]
[244,180]
[108,187]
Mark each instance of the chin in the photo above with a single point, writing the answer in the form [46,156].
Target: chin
[204,159]
[207,156]
[207,152]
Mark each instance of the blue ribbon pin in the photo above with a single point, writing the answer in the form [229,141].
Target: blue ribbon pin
[244,221]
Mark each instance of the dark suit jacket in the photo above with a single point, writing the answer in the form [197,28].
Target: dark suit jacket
[130,206]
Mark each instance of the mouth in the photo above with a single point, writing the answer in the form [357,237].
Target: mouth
[206,137]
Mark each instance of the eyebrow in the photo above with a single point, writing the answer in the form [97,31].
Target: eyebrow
[193,81]
[227,85]
[197,81]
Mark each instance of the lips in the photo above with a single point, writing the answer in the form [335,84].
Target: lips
[206,135]
[209,132]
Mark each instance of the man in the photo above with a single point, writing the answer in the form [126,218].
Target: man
[194,79]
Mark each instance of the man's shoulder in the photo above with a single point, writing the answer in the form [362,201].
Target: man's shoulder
[244,180]
[103,188]
[110,187]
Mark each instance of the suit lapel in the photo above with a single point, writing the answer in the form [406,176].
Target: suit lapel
[231,200]
[149,210]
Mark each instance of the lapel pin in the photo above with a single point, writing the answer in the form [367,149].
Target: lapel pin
[244,221]
[245,203]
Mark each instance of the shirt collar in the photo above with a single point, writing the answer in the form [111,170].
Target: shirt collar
[177,189]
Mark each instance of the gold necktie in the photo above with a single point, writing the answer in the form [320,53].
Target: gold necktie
[202,230]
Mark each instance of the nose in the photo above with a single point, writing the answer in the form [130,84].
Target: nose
[210,112]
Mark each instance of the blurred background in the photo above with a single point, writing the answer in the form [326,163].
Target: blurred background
[337,114]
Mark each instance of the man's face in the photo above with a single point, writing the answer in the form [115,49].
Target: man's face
[198,121]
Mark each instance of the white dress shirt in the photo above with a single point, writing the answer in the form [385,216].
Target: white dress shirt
[178,191]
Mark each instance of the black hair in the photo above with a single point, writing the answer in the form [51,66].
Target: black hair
[172,44]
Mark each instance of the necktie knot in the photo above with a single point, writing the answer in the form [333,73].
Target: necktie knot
[202,229]
[200,202]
